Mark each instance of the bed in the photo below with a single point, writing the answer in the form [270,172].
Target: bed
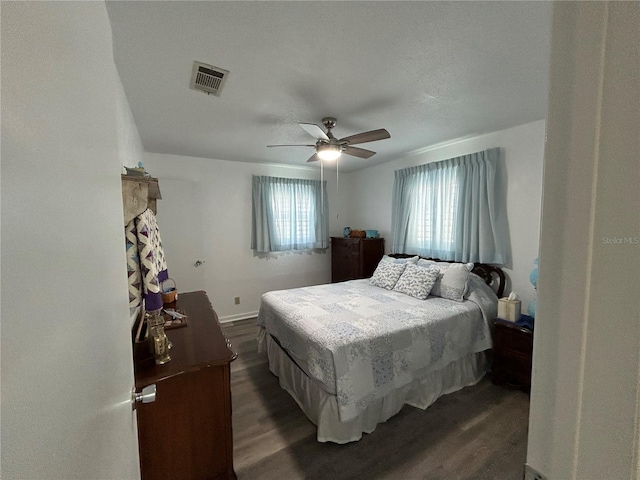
[351,354]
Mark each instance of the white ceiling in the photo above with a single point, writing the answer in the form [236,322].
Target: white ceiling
[428,72]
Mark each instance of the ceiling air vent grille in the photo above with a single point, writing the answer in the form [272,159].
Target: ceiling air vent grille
[207,78]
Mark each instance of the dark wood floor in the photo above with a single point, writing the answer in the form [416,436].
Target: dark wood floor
[477,433]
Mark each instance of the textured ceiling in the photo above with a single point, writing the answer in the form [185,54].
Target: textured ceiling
[428,72]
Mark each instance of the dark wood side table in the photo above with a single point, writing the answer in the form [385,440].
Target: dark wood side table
[512,350]
[186,432]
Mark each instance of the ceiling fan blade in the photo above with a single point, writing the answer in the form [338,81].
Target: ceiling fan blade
[314,130]
[358,152]
[365,137]
[290,145]
[313,158]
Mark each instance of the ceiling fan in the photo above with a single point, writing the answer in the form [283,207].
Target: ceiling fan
[329,147]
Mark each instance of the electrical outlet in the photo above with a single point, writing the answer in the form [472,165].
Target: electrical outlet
[237,300]
[531,473]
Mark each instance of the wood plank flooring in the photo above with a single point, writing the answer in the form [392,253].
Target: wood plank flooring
[477,433]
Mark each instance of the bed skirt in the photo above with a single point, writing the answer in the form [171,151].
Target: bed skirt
[322,407]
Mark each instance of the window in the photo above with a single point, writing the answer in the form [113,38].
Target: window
[293,211]
[434,216]
[451,210]
[289,214]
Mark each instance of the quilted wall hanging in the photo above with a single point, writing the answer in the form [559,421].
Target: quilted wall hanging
[146,263]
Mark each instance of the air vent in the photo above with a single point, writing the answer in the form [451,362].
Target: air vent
[207,78]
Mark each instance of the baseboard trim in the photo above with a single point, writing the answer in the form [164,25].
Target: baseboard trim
[237,316]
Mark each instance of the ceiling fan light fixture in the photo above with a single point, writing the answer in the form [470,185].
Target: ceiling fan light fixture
[329,152]
[329,148]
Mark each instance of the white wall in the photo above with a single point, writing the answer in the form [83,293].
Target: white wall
[131,150]
[66,339]
[205,214]
[522,151]
[585,398]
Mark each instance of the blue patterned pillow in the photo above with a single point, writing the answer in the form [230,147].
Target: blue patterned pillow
[417,281]
[387,274]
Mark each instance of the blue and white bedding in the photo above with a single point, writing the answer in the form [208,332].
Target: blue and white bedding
[362,342]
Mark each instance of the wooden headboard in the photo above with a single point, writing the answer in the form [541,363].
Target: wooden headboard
[492,275]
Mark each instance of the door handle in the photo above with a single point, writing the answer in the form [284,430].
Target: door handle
[147,395]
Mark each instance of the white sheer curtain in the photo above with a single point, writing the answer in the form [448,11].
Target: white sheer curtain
[289,214]
[451,210]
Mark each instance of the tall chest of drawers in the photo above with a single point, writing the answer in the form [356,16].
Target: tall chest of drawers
[354,258]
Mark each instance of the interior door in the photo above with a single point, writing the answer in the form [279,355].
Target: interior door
[180,219]
[67,369]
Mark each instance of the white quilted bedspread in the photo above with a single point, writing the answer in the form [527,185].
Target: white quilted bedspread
[364,341]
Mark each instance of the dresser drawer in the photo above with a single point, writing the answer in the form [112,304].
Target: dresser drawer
[350,244]
[513,340]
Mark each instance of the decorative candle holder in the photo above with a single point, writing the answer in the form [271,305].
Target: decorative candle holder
[157,336]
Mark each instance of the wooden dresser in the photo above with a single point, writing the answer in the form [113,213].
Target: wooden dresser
[353,258]
[186,432]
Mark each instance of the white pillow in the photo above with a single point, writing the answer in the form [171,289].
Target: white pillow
[455,281]
[423,262]
[436,291]
[389,259]
[417,281]
[387,274]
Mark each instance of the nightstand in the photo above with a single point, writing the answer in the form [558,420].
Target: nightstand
[512,349]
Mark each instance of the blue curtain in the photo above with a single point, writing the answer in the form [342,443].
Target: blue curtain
[451,210]
[289,214]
